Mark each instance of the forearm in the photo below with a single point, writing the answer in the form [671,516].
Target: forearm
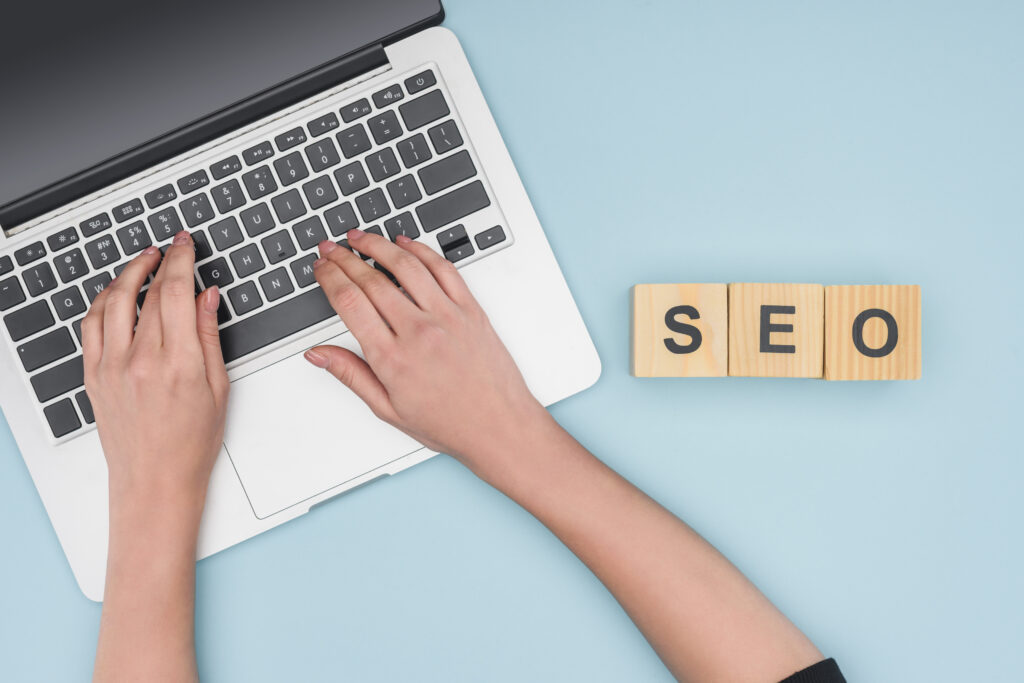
[147,627]
[703,617]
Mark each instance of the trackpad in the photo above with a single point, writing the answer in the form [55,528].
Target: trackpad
[294,431]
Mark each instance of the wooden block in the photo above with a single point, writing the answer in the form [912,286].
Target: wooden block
[776,330]
[873,332]
[680,330]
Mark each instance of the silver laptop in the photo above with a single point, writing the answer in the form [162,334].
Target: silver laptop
[263,128]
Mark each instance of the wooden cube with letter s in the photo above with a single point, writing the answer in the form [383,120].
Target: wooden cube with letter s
[680,330]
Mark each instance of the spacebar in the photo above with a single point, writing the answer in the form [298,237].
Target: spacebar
[274,324]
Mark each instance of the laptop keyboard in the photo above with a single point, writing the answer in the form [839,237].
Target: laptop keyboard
[393,162]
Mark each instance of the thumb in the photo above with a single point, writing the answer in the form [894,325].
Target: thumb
[209,340]
[354,373]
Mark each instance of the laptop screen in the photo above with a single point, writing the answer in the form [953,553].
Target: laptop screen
[81,82]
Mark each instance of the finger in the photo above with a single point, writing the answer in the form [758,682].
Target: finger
[392,305]
[92,332]
[121,301]
[443,270]
[407,269]
[176,283]
[209,340]
[351,304]
[354,373]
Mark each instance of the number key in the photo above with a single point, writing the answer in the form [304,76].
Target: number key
[133,238]
[197,210]
[165,224]
[259,182]
[228,196]
[39,279]
[71,265]
[322,155]
[102,252]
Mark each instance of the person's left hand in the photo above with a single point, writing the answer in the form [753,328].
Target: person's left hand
[159,389]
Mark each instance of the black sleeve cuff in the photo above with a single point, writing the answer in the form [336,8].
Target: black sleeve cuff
[822,672]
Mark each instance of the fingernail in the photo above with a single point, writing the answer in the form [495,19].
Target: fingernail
[326,247]
[149,251]
[317,359]
[354,233]
[319,262]
[402,239]
[212,302]
[181,238]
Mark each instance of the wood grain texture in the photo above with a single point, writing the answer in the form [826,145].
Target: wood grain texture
[653,357]
[843,304]
[746,358]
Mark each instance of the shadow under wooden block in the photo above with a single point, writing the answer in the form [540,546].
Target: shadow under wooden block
[776,330]
[873,332]
[680,330]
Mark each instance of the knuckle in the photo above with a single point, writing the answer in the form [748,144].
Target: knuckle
[346,296]
[405,261]
[179,288]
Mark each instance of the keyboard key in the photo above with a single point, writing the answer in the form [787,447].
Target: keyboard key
[341,219]
[119,268]
[274,324]
[62,418]
[94,225]
[165,224]
[402,224]
[6,265]
[404,192]
[320,192]
[276,284]
[450,207]
[373,205]
[414,150]
[225,167]
[257,219]
[197,210]
[291,169]
[95,285]
[259,153]
[128,211]
[133,238]
[58,380]
[226,233]
[244,298]
[64,238]
[324,124]
[388,96]
[259,182]
[356,110]
[11,293]
[26,321]
[351,178]
[216,272]
[292,138]
[490,237]
[39,279]
[420,81]
[68,303]
[382,164]
[289,206]
[445,136]
[30,253]
[278,247]
[102,252]
[309,233]
[71,265]
[385,127]
[85,405]
[302,270]
[456,254]
[46,349]
[161,196]
[447,172]
[247,260]
[223,314]
[228,196]
[452,237]
[201,246]
[77,327]
[322,155]
[354,141]
[424,110]
[193,181]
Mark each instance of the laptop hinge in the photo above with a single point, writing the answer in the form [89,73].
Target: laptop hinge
[191,135]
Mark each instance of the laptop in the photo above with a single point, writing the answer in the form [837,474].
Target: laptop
[262,128]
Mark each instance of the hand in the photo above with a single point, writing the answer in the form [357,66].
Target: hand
[159,389]
[434,366]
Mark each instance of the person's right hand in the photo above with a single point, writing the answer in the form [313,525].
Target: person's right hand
[434,368]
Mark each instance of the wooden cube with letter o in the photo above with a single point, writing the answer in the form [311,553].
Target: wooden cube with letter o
[872,332]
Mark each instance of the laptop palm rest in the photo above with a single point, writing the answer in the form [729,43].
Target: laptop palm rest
[294,432]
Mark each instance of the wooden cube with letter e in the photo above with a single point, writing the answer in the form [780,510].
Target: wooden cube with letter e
[776,330]
[873,332]
[680,330]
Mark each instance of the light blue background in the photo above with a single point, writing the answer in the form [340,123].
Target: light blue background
[661,141]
